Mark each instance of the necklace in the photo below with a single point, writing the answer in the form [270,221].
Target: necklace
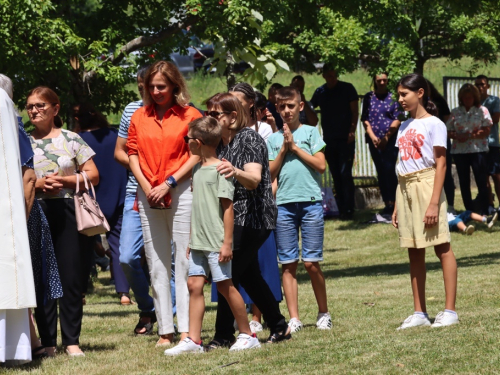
[425,114]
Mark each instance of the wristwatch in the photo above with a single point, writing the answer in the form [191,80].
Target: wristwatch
[171,182]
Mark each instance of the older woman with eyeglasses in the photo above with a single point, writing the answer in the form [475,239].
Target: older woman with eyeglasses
[244,157]
[58,154]
[161,162]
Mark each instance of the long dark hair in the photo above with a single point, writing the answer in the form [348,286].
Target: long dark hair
[249,93]
[415,82]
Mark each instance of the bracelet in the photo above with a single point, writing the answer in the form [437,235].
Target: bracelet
[171,182]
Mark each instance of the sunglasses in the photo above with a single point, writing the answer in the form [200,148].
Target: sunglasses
[187,138]
[480,84]
[216,114]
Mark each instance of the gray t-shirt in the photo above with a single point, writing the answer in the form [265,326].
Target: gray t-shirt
[207,220]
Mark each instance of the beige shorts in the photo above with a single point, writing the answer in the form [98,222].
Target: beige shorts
[413,196]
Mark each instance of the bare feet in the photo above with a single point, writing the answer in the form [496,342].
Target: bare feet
[165,340]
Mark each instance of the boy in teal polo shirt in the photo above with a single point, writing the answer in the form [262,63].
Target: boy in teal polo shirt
[297,160]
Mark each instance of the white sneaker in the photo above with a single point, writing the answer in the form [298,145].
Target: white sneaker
[244,342]
[295,325]
[469,230]
[255,326]
[324,321]
[185,346]
[493,219]
[414,320]
[444,319]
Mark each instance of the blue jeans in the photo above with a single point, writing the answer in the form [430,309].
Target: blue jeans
[309,218]
[131,244]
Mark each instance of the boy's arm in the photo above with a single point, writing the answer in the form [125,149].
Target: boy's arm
[432,213]
[316,161]
[226,250]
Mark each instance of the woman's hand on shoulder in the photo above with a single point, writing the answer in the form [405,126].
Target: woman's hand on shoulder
[226,168]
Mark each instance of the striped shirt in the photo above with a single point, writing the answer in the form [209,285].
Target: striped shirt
[123,133]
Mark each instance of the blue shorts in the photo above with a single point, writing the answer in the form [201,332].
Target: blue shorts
[309,218]
[202,263]
[461,217]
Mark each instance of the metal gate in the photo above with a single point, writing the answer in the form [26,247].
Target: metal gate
[451,87]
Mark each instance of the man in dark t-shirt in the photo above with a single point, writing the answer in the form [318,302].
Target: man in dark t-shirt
[339,105]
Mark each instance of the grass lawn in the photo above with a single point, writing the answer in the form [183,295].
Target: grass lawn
[369,295]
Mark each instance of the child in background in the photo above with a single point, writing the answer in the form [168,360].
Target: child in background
[420,212]
[297,160]
[458,222]
[210,246]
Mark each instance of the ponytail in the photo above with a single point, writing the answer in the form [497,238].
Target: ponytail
[430,107]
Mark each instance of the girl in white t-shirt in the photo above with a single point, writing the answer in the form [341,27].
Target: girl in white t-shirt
[420,212]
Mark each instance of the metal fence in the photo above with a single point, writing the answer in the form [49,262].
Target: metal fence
[363,165]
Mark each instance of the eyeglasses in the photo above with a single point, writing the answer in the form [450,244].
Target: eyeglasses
[381,80]
[39,106]
[480,84]
[216,114]
[187,138]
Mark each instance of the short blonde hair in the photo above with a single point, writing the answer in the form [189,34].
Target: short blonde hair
[170,72]
[469,88]
[206,129]
[230,103]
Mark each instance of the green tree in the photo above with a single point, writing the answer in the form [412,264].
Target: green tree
[83,48]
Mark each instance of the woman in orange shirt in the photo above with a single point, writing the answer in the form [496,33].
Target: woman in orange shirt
[161,162]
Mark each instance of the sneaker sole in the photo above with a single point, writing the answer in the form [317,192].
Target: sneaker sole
[441,326]
[241,349]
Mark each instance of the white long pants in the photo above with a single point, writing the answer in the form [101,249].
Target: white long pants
[160,228]
[15,345]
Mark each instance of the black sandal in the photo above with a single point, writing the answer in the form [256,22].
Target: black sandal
[42,355]
[279,336]
[148,326]
[217,344]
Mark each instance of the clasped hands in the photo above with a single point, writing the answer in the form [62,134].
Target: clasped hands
[288,142]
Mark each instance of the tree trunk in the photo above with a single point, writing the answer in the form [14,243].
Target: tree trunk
[420,65]
[230,76]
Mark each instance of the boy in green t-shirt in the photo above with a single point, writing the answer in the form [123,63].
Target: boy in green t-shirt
[297,160]
[210,247]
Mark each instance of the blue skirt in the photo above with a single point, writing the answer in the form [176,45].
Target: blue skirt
[268,263]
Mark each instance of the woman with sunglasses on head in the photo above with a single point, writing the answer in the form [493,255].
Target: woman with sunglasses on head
[161,162]
[245,158]
[59,153]
[379,117]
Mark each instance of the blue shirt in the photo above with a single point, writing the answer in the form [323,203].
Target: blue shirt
[297,182]
[493,104]
[123,133]
[335,105]
[25,149]
[112,176]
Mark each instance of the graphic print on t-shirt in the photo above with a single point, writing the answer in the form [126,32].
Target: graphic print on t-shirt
[410,145]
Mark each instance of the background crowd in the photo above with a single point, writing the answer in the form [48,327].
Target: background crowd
[147,198]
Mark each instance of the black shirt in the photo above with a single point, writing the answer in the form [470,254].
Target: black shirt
[252,208]
[335,108]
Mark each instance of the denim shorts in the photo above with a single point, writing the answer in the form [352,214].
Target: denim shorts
[461,217]
[309,218]
[202,263]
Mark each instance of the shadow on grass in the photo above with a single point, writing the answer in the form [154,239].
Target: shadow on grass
[109,314]
[97,347]
[392,269]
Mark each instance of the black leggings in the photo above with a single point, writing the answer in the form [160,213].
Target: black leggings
[477,162]
[72,250]
[246,271]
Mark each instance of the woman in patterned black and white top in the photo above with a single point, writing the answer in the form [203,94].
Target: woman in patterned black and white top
[244,157]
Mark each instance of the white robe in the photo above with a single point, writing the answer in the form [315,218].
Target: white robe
[17,288]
